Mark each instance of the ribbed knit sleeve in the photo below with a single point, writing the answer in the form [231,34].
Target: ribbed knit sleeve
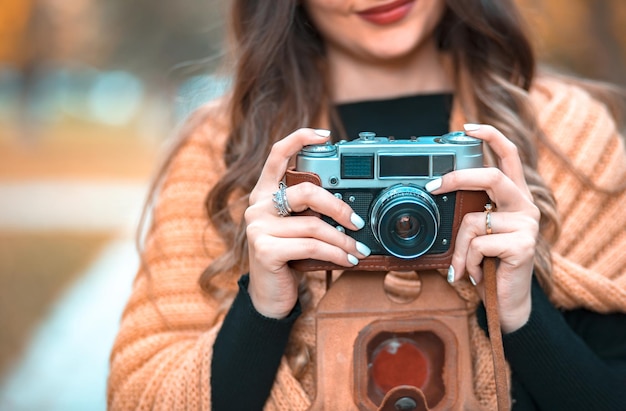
[570,360]
[557,366]
[589,258]
[247,353]
[161,359]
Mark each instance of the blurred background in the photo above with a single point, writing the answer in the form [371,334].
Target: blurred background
[90,93]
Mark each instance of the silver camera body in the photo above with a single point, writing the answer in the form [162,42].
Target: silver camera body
[383,180]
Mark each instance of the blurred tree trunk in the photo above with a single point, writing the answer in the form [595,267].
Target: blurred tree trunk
[608,58]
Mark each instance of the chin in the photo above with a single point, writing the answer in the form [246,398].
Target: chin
[395,48]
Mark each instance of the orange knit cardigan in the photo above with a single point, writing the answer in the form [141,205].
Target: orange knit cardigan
[161,359]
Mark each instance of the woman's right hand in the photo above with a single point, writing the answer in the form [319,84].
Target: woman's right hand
[273,240]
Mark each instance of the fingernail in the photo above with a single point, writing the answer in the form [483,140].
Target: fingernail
[357,221]
[450,274]
[472,281]
[353,260]
[363,249]
[471,127]
[322,133]
[432,185]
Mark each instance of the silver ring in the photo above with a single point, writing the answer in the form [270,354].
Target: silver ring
[488,209]
[280,201]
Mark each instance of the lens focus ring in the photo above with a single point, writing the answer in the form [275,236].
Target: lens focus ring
[405,221]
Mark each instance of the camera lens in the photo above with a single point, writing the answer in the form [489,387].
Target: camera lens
[405,221]
[407,227]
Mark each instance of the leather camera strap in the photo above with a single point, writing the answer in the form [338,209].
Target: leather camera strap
[495,334]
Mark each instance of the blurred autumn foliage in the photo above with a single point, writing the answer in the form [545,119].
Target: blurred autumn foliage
[582,36]
[138,35]
[113,63]
[114,57]
[585,37]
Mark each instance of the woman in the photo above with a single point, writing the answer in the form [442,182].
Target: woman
[232,341]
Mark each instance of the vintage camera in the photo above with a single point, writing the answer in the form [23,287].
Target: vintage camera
[383,180]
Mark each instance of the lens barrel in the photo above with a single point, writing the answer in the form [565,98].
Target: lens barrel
[405,220]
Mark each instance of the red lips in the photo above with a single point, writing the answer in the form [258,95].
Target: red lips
[387,13]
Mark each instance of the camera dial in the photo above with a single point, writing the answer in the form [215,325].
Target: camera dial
[320,150]
[459,137]
[367,136]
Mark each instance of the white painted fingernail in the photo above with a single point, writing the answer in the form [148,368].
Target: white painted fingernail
[322,133]
[472,281]
[450,274]
[363,249]
[471,127]
[353,260]
[432,185]
[357,221]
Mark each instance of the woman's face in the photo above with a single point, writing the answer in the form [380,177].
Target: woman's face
[375,29]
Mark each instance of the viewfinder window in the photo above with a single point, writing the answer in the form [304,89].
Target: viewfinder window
[404,166]
[443,164]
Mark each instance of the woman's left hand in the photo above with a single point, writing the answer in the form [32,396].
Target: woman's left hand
[514,227]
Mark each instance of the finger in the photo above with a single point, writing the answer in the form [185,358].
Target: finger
[303,196]
[506,151]
[500,188]
[512,249]
[474,225]
[307,195]
[309,227]
[282,151]
[276,252]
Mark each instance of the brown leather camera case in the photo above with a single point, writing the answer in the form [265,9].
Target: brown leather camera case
[355,312]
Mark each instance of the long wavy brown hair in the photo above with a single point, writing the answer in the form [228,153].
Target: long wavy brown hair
[280,84]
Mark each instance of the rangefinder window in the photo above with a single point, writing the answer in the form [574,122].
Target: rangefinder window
[443,164]
[404,166]
[357,166]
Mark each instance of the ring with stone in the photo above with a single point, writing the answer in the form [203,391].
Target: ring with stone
[280,201]
[488,209]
